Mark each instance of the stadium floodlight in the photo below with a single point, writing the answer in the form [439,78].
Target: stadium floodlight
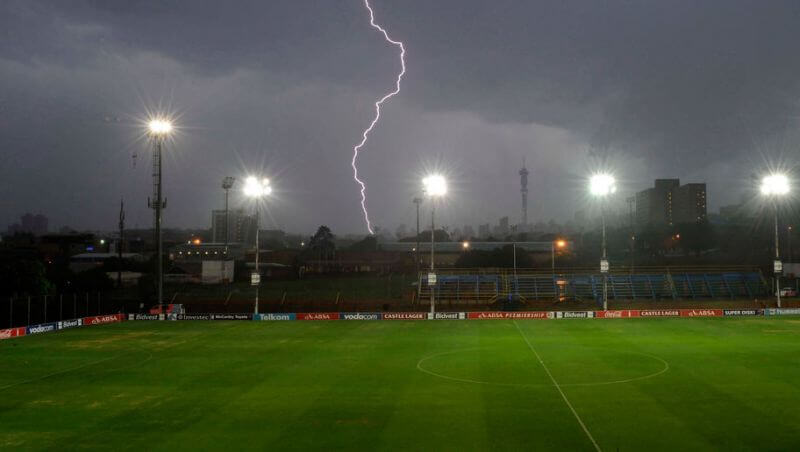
[256,188]
[602,185]
[159,126]
[434,186]
[465,245]
[774,186]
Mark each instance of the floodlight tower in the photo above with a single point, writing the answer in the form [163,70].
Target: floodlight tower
[227,184]
[601,186]
[255,189]
[774,186]
[159,130]
[435,186]
[417,201]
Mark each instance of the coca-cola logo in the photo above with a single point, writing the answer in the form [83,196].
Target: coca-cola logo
[5,334]
[612,314]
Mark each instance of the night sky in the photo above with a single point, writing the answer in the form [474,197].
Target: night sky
[705,91]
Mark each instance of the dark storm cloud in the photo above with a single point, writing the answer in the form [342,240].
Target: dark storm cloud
[669,89]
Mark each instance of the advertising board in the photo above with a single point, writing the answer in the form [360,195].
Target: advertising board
[403,315]
[42,328]
[574,314]
[275,316]
[511,315]
[231,316]
[620,314]
[73,323]
[701,313]
[447,316]
[656,313]
[12,332]
[103,319]
[360,316]
[145,316]
[741,312]
[782,311]
[318,316]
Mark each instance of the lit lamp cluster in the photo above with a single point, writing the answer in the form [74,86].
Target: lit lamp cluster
[159,130]
[776,186]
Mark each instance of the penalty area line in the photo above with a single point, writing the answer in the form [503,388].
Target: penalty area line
[560,391]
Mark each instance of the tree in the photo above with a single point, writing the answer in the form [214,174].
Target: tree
[368,243]
[321,243]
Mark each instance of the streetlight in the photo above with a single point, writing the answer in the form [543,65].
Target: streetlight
[560,244]
[434,186]
[255,188]
[601,186]
[159,130]
[775,186]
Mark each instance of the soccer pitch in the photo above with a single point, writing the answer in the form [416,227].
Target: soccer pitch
[612,384]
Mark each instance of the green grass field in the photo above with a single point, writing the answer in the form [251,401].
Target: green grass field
[638,384]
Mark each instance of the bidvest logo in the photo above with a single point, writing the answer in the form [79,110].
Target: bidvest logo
[69,324]
[361,316]
[447,315]
[574,314]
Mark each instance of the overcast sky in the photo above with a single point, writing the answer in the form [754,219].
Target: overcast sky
[704,91]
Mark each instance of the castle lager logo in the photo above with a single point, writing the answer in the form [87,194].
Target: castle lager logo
[403,315]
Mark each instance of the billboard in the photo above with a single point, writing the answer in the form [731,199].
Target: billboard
[42,328]
[403,315]
[12,332]
[360,316]
[511,315]
[275,316]
[318,316]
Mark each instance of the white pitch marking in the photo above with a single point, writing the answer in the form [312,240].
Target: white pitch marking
[560,391]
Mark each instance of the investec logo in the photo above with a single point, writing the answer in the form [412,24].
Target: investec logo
[360,316]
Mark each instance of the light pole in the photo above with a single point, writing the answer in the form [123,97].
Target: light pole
[774,186]
[255,188]
[159,130]
[601,186]
[417,201]
[434,186]
[227,184]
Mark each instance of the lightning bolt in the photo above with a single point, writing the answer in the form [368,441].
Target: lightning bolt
[375,120]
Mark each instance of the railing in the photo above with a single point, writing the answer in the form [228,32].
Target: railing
[475,286]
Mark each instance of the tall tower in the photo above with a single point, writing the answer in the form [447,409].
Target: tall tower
[523,189]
